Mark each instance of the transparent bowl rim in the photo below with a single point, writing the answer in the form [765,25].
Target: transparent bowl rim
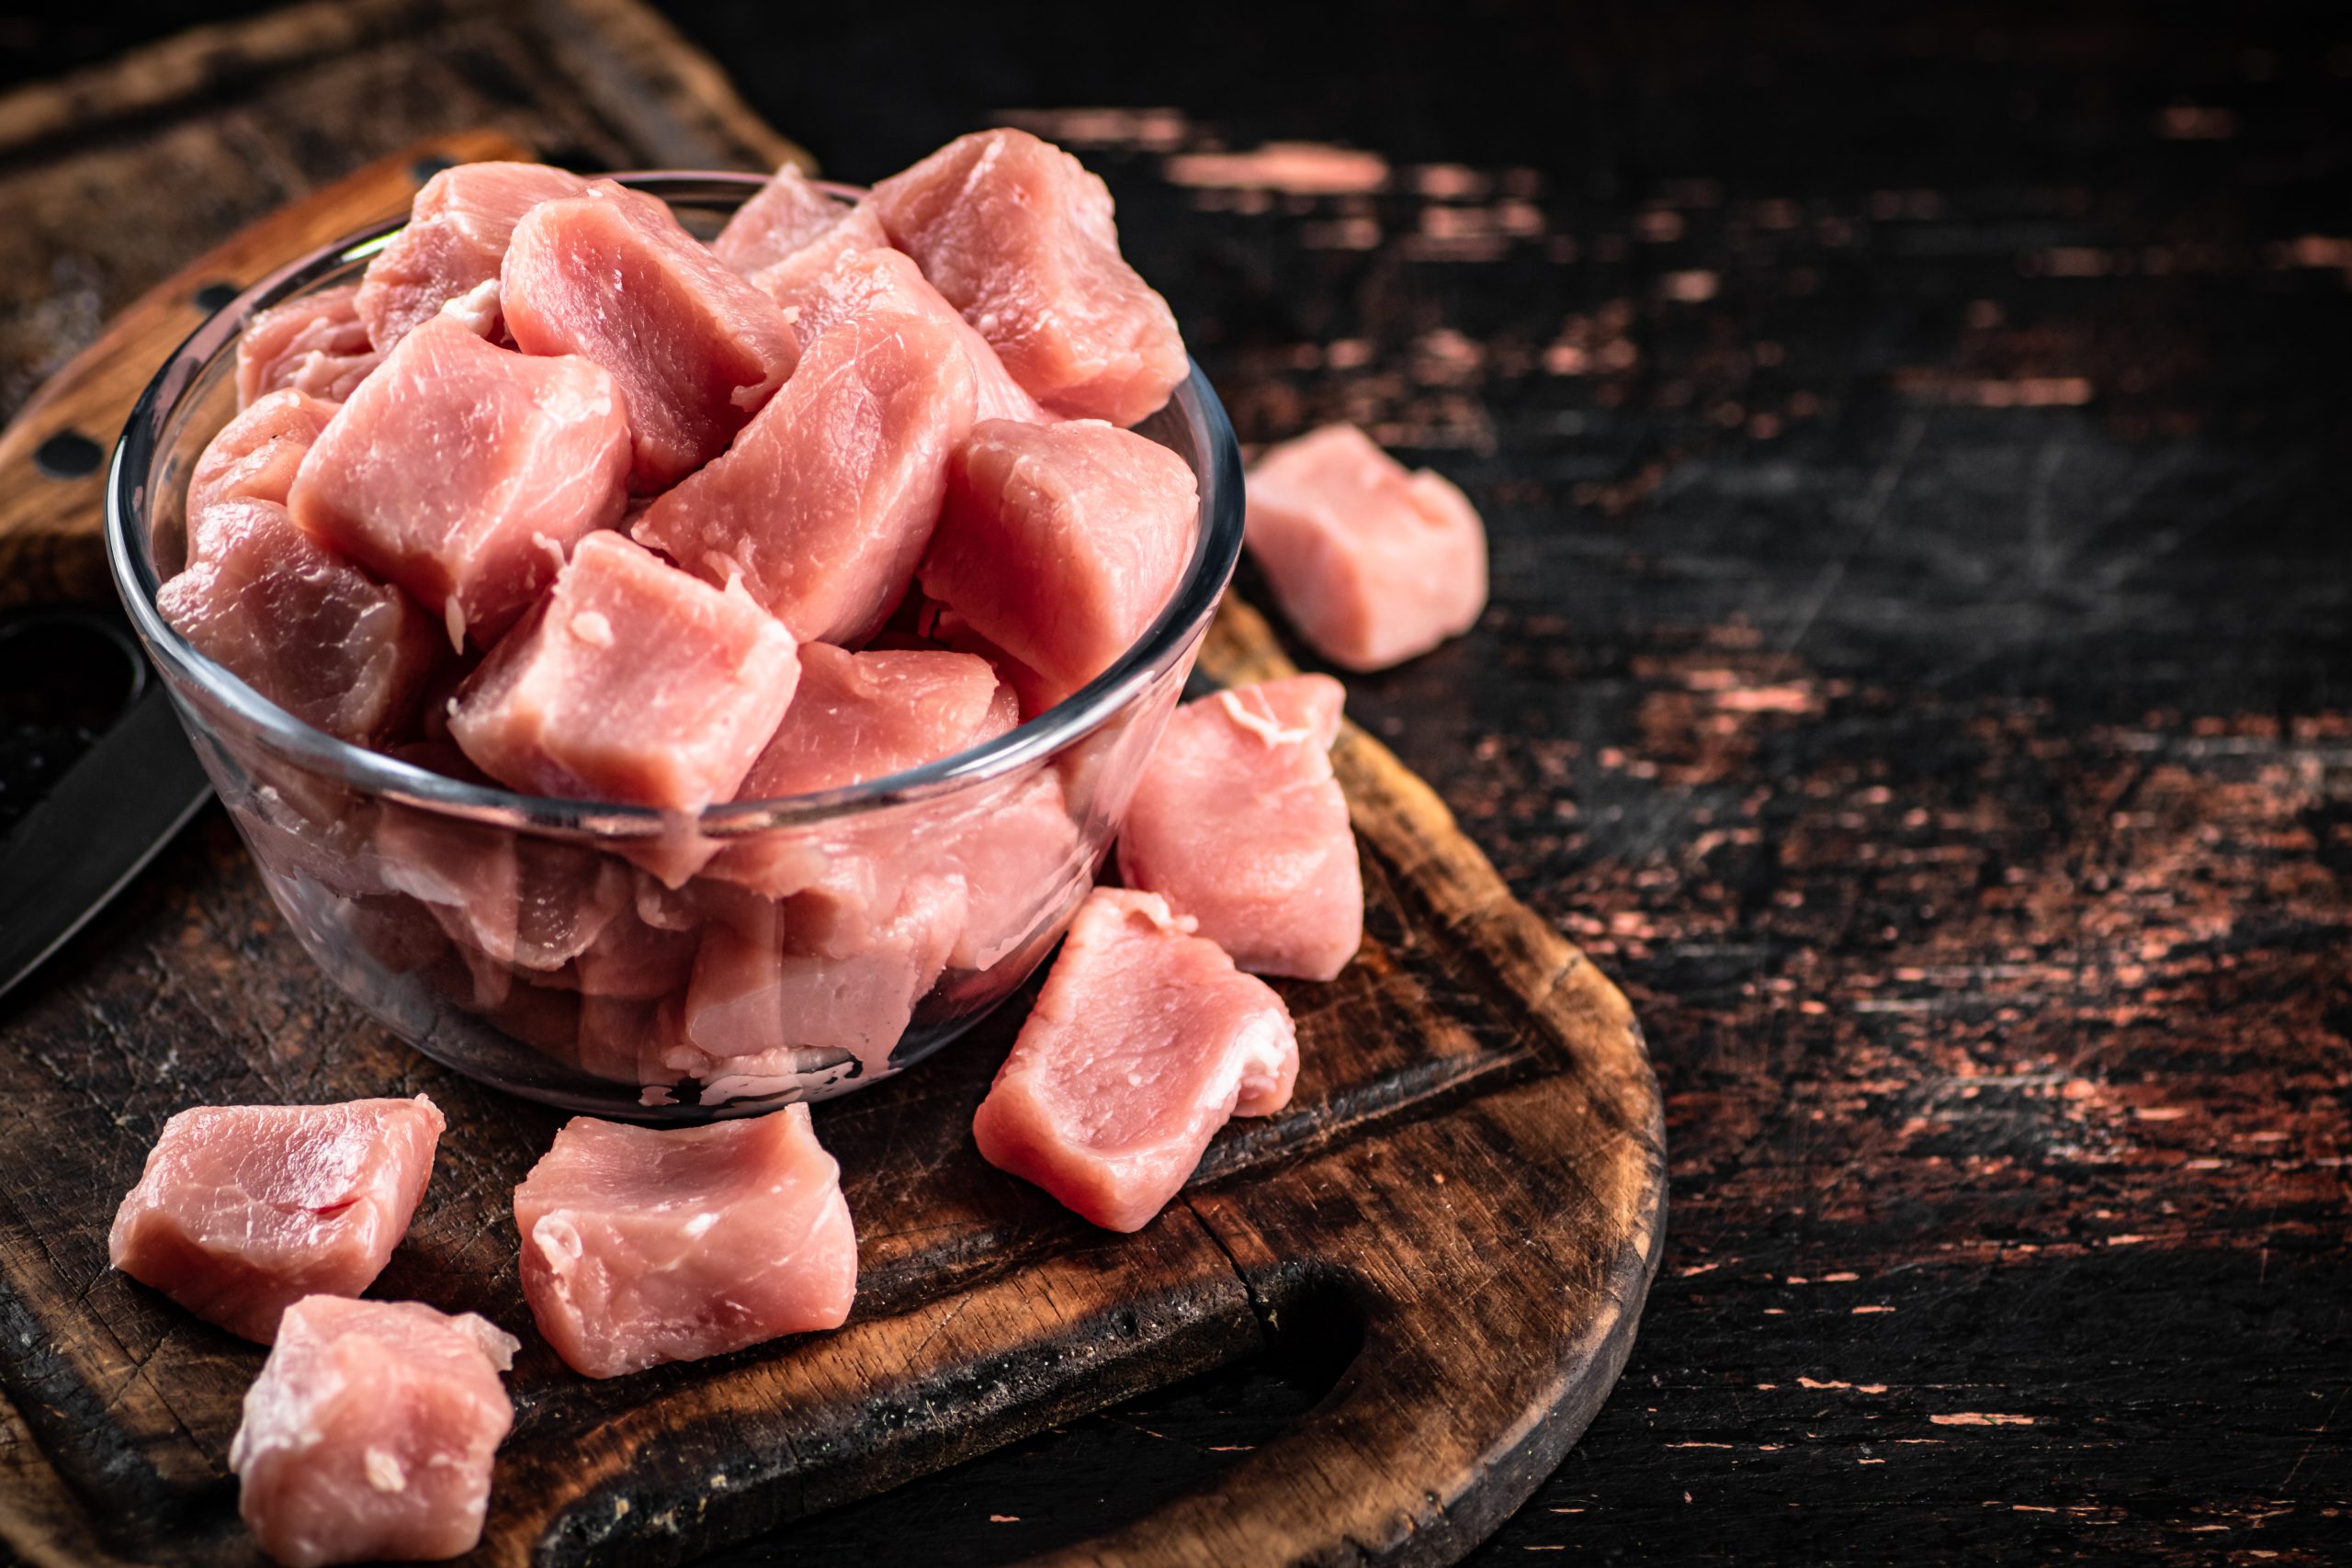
[1215,460]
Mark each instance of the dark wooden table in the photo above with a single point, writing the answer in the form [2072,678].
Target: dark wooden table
[1916,443]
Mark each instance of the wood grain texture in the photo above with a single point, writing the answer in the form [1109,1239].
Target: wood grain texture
[1470,1179]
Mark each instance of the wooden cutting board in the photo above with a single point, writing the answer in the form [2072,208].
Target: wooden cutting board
[1469,1183]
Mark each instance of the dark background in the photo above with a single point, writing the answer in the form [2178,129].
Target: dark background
[1917,445]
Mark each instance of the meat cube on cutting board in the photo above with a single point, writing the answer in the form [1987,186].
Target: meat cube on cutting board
[787,215]
[315,344]
[855,283]
[300,624]
[1144,1041]
[642,1245]
[464,473]
[1020,238]
[1372,565]
[457,232]
[1061,544]
[824,503]
[370,1431]
[612,277]
[633,682]
[1238,823]
[243,1210]
[254,457]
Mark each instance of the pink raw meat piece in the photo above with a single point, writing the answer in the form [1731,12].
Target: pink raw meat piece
[632,682]
[612,277]
[825,501]
[457,236]
[315,344]
[464,473]
[243,1210]
[782,281]
[369,1433]
[861,716]
[859,282]
[1238,823]
[300,624]
[1019,237]
[1372,564]
[642,1245]
[1144,1041]
[512,897]
[254,457]
[788,215]
[1060,544]
[817,974]
[1016,857]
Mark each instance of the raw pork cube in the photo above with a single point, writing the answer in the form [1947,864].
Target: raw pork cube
[510,898]
[1238,823]
[1372,564]
[859,282]
[820,974]
[1019,237]
[861,716]
[644,1246]
[254,457]
[787,215]
[316,344]
[464,473]
[1017,858]
[457,236]
[1144,1041]
[1060,544]
[633,682]
[824,503]
[243,1210]
[782,281]
[369,1433]
[612,277]
[300,624]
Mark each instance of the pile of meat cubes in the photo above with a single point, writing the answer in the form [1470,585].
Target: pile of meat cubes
[562,498]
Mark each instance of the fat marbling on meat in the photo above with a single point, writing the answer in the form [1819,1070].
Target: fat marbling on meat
[369,1433]
[243,1210]
[1238,823]
[645,1245]
[1144,1041]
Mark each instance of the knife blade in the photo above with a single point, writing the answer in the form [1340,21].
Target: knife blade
[104,819]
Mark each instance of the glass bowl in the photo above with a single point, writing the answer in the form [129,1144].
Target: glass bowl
[629,962]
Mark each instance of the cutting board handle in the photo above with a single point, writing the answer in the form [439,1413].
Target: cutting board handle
[53,455]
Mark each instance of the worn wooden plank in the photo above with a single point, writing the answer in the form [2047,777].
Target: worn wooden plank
[1469,1042]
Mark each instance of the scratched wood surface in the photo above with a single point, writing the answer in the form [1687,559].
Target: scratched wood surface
[1917,442]
[1465,1199]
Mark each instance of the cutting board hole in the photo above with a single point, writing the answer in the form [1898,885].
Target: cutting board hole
[68,455]
[213,296]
